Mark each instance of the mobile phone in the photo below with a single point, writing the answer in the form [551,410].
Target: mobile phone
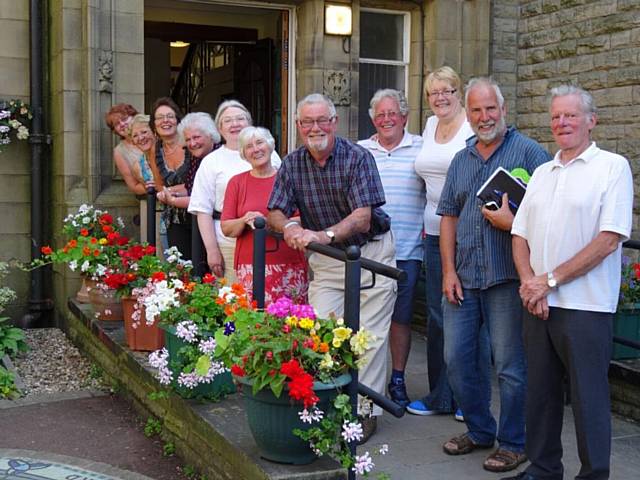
[491,206]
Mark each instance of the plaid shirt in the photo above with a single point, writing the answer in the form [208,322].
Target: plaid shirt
[326,195]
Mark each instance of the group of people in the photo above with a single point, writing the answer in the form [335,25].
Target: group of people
[531,294]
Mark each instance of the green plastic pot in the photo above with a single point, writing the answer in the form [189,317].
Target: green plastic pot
[626,323]
[221,385]
[272,420]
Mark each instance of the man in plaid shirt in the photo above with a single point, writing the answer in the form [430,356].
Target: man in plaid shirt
[335,187]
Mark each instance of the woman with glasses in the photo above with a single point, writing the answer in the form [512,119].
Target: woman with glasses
[173,160]
[210,184]
[444,135]
[245,199]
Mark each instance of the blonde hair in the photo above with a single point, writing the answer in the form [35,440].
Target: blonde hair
[444,74]
[139,119]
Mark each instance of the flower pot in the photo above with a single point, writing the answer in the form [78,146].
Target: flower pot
[105,304]
[83,294]
[143,337]
[272,420]
[222,384]
[626,323]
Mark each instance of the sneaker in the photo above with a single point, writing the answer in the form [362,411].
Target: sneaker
[417,407]
[369,427]
[398,393]
[458,415]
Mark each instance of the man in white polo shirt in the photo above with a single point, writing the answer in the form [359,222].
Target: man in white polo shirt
[567,237]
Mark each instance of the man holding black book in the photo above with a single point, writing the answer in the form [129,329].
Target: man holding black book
[567,244]
[480,281]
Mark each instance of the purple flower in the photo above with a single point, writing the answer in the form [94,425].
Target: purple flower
[229,328]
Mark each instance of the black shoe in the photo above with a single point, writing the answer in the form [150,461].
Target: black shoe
[369,427]
[398,393]
[521,476]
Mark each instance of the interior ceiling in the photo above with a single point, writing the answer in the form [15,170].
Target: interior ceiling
[204,5]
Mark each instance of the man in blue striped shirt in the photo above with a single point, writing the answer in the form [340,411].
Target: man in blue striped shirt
[480,281]
[395,151]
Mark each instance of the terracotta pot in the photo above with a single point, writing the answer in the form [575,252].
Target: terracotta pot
[83,294]
[144,337]
[105,304]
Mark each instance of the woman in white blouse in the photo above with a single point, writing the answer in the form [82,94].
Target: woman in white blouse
[210,184]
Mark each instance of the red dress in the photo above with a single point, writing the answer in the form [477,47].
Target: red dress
[286,268]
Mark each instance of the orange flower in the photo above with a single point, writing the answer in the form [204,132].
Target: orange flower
[84,232]
[86,251]
[324,347]
[46,250]
[94,240]
[220,301]
[228,310]
[96,253]
[73,243]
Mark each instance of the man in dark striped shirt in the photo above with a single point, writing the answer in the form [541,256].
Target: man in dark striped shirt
[480,281]
[335,186]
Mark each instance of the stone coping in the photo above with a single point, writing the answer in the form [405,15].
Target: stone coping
[214,437]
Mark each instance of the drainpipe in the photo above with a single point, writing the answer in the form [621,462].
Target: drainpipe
[39,306]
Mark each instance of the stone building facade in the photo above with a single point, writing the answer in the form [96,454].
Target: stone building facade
[95,57]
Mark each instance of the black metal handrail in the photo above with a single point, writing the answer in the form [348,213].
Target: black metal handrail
[353,266]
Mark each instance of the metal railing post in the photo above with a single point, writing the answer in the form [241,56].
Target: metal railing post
[259,259]
[352,275]
[151,216]
[197,252]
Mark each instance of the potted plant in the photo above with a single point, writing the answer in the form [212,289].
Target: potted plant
[188,362]
[15,115]
[291,366]
[626,321]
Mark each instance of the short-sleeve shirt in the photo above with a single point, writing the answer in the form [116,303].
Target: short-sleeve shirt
[564,209]
[246,193]
[326,195]
[403,191]
[483,253]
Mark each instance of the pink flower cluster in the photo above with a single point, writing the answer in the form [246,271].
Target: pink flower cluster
[284,307]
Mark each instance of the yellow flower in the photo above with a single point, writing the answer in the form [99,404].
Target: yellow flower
[306,323]
[360,342]
[292,321]
[340,334]
[327,362]
[102,241]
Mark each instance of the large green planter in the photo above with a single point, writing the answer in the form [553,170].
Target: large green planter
[273,419]
[626,323]
[222,384]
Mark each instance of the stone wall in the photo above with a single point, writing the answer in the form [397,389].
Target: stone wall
[503,59]
[15,168]
[594,44]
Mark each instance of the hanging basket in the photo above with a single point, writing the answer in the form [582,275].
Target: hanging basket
[272,420]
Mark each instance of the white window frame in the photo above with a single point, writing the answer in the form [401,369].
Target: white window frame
[406,43]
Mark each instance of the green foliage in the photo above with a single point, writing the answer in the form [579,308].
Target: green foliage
[630,283]
[8,387]
[168,449]
[12,339]
[152,427]
[95,372]
[158,395]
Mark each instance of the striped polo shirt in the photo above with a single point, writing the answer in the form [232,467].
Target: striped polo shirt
[404,192]
[483,253]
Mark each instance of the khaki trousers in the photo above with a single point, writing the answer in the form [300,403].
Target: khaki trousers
[326,294]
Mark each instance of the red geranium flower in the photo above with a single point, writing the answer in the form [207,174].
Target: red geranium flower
[84,232]
[208,278]
[105,219]
[158,276]
[46,250]
[237,370]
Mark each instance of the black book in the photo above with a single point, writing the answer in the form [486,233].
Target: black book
[501,181]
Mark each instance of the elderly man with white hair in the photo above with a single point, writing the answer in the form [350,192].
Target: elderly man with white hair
[394,150]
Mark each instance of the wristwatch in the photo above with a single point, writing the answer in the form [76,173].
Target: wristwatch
[551,280]
[331,235]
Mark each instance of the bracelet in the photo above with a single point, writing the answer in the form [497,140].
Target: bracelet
[290,224]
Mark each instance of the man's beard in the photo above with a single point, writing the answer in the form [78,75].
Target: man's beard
[498,129]
[317,146]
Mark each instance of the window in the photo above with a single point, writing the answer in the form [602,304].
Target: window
[384,59]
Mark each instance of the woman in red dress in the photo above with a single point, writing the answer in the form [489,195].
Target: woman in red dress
[246,199]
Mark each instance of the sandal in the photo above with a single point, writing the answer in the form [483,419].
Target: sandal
[503,460]
[462,445]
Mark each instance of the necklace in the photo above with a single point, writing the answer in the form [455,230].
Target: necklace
[169,149]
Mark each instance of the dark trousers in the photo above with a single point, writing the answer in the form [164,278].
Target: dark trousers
[179,235]
[576,345]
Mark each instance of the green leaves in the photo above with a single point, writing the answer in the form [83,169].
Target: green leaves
[12,339]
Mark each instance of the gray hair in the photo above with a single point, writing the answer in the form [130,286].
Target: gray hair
[316,98]
[228,104]
[486,81]
[201,121]
[139,119]
[249,133]
[588,104]
[396,95]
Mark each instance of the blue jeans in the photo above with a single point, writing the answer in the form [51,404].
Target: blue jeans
[500,309]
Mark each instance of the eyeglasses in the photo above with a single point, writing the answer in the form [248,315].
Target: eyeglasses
[322,122]
[237,119]
[444,93]
[168,116]
[382,115]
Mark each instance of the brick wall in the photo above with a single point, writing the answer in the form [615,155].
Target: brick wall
[594,44]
